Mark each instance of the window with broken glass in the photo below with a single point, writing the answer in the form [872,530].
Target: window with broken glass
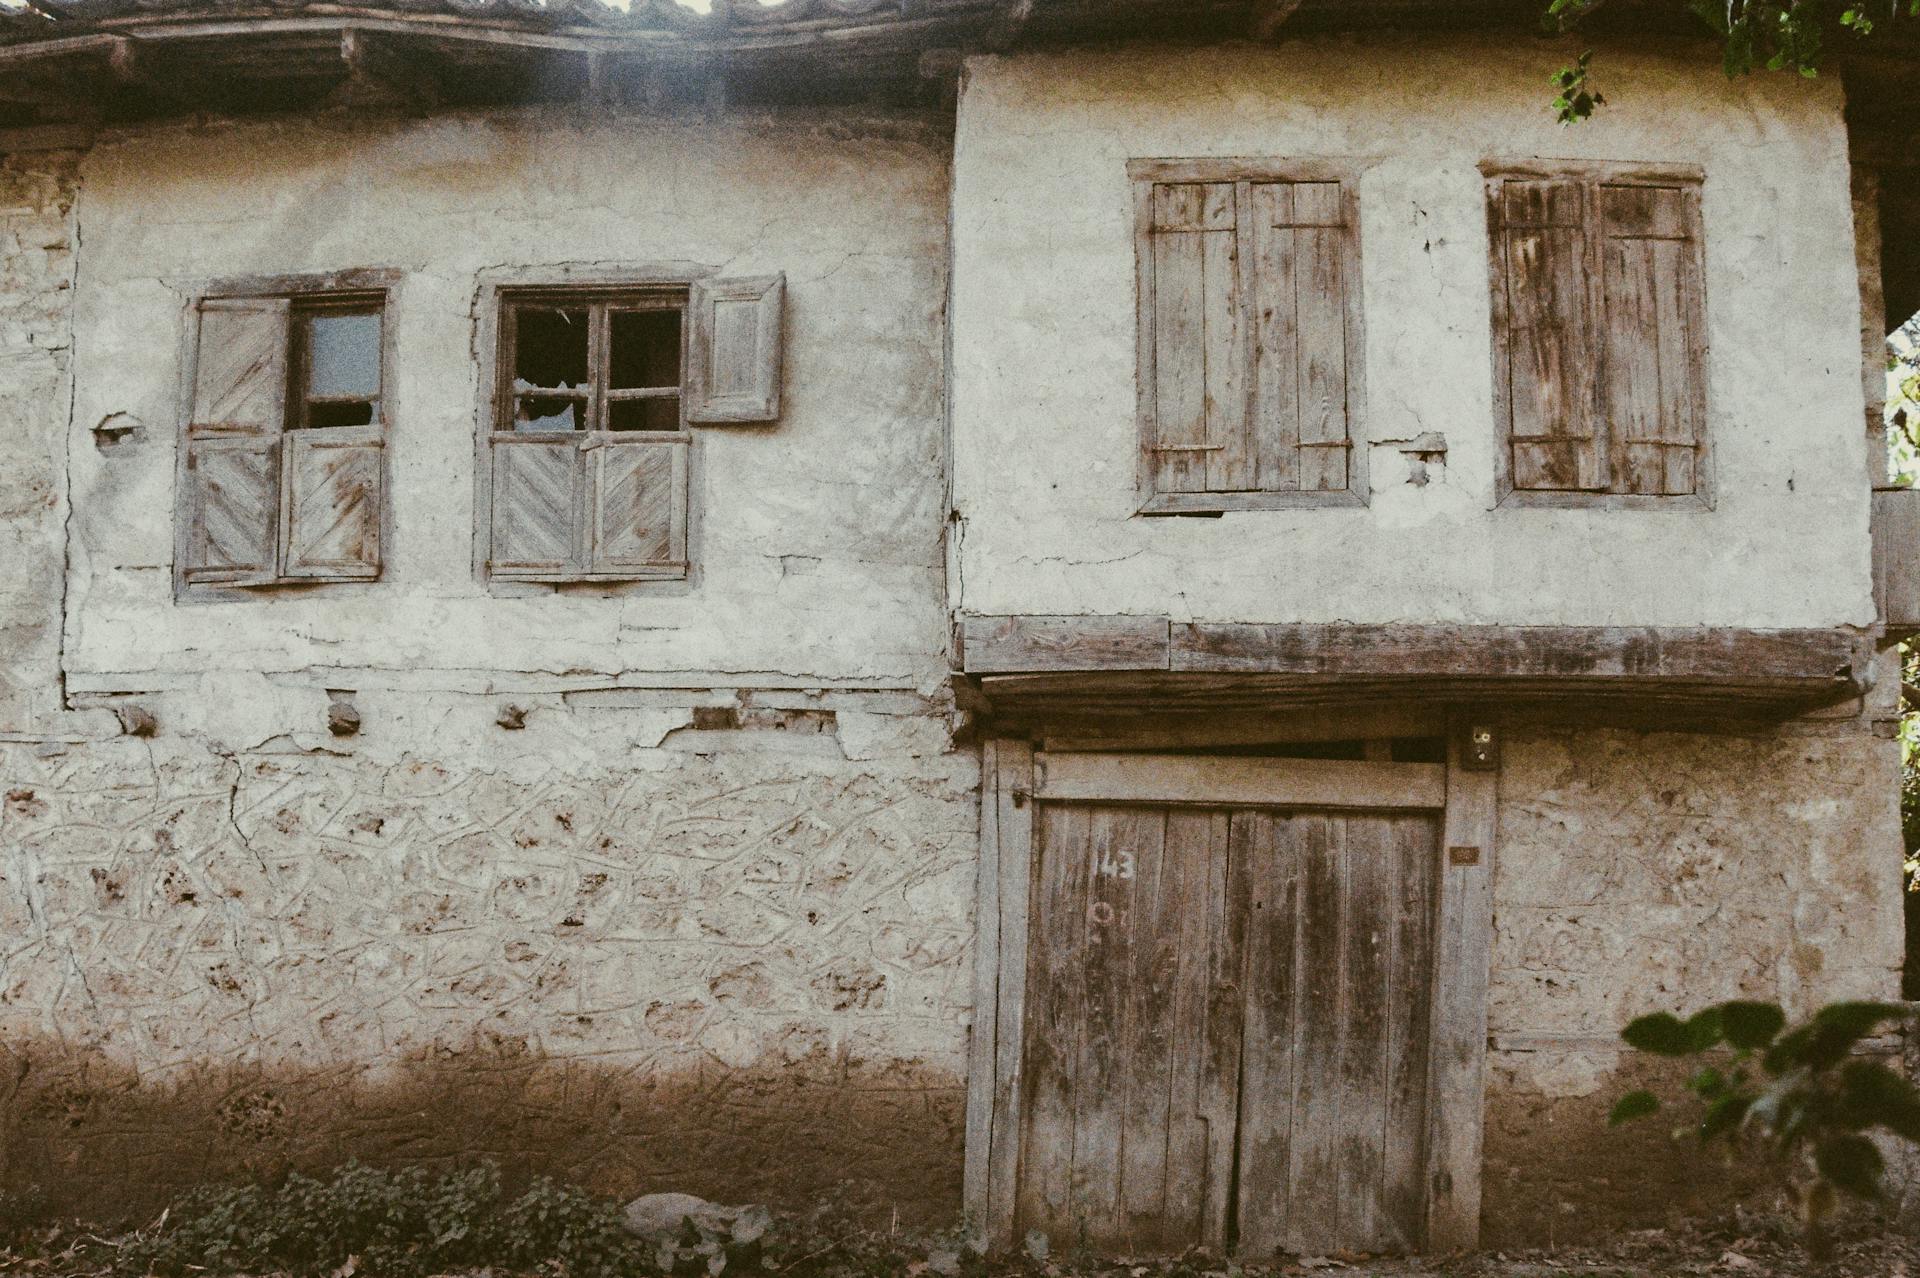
[588,450]
[283,464]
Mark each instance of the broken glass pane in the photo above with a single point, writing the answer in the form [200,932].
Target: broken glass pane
[350,413]
[646,349]
[343,356]
[538,412]
[550,348]
[644,414]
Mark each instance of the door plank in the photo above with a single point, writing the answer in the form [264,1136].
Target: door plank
[1263,896]
[1368,857]
[1159,900]
[1207,1018]
[1050,1059]
[1409,1001]
[1312,1204]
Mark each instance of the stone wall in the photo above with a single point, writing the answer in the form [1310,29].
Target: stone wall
[1640,872]
[36,294]
[734,963]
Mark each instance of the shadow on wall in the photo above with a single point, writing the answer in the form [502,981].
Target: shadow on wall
[875,1137]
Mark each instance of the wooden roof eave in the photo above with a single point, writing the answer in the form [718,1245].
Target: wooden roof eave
[1037,669]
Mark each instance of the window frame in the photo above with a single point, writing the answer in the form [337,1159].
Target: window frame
[377,287]
[575,284]
[1593,174]
[1143,174]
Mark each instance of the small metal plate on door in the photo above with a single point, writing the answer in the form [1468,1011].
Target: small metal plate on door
[1463,856]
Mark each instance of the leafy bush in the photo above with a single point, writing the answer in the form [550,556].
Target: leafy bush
[1800,1096]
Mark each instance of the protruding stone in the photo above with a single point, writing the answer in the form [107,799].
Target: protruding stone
[136,720]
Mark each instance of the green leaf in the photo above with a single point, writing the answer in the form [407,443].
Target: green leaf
[1723,1116]
[1660,1033]
[1703,1029]
[1751,1025]
[1631,1106]
[1708,1084]
[1850,1164]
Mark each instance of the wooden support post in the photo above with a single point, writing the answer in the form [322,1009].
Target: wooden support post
[1456,1089]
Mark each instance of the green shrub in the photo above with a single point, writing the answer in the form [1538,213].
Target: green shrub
[1799,1097]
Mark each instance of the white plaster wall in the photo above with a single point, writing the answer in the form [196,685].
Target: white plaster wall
[817,541]
[1043,340]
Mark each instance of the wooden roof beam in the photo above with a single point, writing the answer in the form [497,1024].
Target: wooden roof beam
[1009,21]
[1269,16]
[380,75]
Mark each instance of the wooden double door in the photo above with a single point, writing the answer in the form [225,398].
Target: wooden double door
[1228,1023]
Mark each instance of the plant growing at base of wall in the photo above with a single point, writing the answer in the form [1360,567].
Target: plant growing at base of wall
[1780,35]
[1800,1097]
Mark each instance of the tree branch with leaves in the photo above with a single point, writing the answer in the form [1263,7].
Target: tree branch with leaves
[1780,35]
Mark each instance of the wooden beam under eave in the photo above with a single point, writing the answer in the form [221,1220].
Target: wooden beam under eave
[1009,21]
[381,75]
[1269,16]
[1119,665]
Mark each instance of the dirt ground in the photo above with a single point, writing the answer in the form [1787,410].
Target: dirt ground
[1742,1245]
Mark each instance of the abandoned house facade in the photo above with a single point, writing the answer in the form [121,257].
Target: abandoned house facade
[1150,622]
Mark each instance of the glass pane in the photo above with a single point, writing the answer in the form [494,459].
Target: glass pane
[352,413]
[644,414]
[646,349]
[535,412]
[343,355]
[550,348]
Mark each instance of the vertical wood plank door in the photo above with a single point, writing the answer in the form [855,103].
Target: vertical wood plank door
[1338,970]
[1227,1029]
[1127,1110]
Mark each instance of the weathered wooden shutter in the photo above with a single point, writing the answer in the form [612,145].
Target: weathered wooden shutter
[1543,345]
[1197,376]
[734,349]
[331,515]
[538,503]
[229,506]
[1304,314]
[640,506]
[1655,357]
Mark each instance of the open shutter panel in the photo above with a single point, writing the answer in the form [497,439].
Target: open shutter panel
[640,506]
[240,366]
[1654,393]
[229,509]
[1541,335]
[1298,434]
[1198,398]
[733,349]
[538,502]
[330,519]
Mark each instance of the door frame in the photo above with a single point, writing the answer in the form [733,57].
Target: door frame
[1010,790]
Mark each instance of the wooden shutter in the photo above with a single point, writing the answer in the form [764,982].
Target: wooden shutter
[1543,345]
[640,506]
[228,509]
[733,349]
[538,503]
[331,515]
[229,504]
[1195,344]
[1655,343]
[1304,315]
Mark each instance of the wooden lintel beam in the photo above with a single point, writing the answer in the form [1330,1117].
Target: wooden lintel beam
[1008,22]
[1269,16]
[1109,659]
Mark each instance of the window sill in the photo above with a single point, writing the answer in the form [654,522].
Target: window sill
[1540,499]
[1163,504]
